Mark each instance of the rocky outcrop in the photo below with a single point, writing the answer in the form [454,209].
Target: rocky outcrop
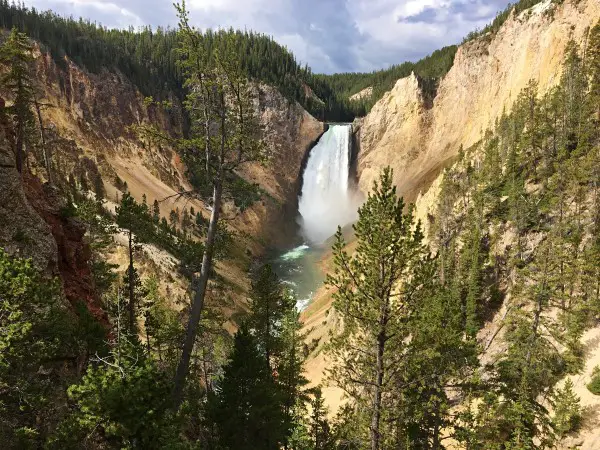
[33,225]
[365,93]
[72,251]
[95,112]
[23,232]
[101,106]
[418,139]
[400,113]
[288,132]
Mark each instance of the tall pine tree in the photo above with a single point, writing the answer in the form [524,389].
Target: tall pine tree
[377,293]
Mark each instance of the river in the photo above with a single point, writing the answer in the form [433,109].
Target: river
[325,201]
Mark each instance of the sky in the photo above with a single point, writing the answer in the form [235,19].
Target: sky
[330,35]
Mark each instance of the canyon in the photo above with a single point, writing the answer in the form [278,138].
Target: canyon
[315,177]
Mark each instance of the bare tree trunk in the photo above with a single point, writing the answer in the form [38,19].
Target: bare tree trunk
[436,431]
[19,146]
[47,159]
[376,415]
[198,302]
[131,285]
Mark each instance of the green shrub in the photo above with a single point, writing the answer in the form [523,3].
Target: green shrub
[594,385]
[567,410]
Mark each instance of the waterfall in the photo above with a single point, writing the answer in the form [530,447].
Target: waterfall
[325,201]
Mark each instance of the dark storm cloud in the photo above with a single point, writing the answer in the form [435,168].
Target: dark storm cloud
[330,35]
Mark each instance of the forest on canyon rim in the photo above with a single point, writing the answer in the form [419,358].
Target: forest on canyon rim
[515,233]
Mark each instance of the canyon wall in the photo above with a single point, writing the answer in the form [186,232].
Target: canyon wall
[418,139]
[33,225]
[93,113]
[87,118]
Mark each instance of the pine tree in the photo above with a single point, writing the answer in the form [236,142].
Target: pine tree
[473,262]
[439,355]
[591,268]
[275,323]
[161,323]
[225,136]
[320,432]
[16,53]
[246,408]
[173,219]
[186,221]
[124,399]
[132,280]
[348,428]
[269,306]
[98,187]
[594,67]
[532,364]
[290,377]
[156,212]
[37,335]
[130,218]
[567,410]
[377,291]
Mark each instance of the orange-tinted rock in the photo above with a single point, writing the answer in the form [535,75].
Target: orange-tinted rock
[72,252]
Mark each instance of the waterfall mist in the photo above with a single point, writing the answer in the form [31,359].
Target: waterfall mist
[326,200]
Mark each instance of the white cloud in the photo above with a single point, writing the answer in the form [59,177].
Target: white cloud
[109,13]
[414,7]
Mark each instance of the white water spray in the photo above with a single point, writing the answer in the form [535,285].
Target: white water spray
[326,201]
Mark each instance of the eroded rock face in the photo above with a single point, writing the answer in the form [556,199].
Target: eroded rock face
[400,114]
[487,76]
[33,226]
[365,93]
[72,251]
[100,105]
[95,111]
[288,132]
[23,232]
